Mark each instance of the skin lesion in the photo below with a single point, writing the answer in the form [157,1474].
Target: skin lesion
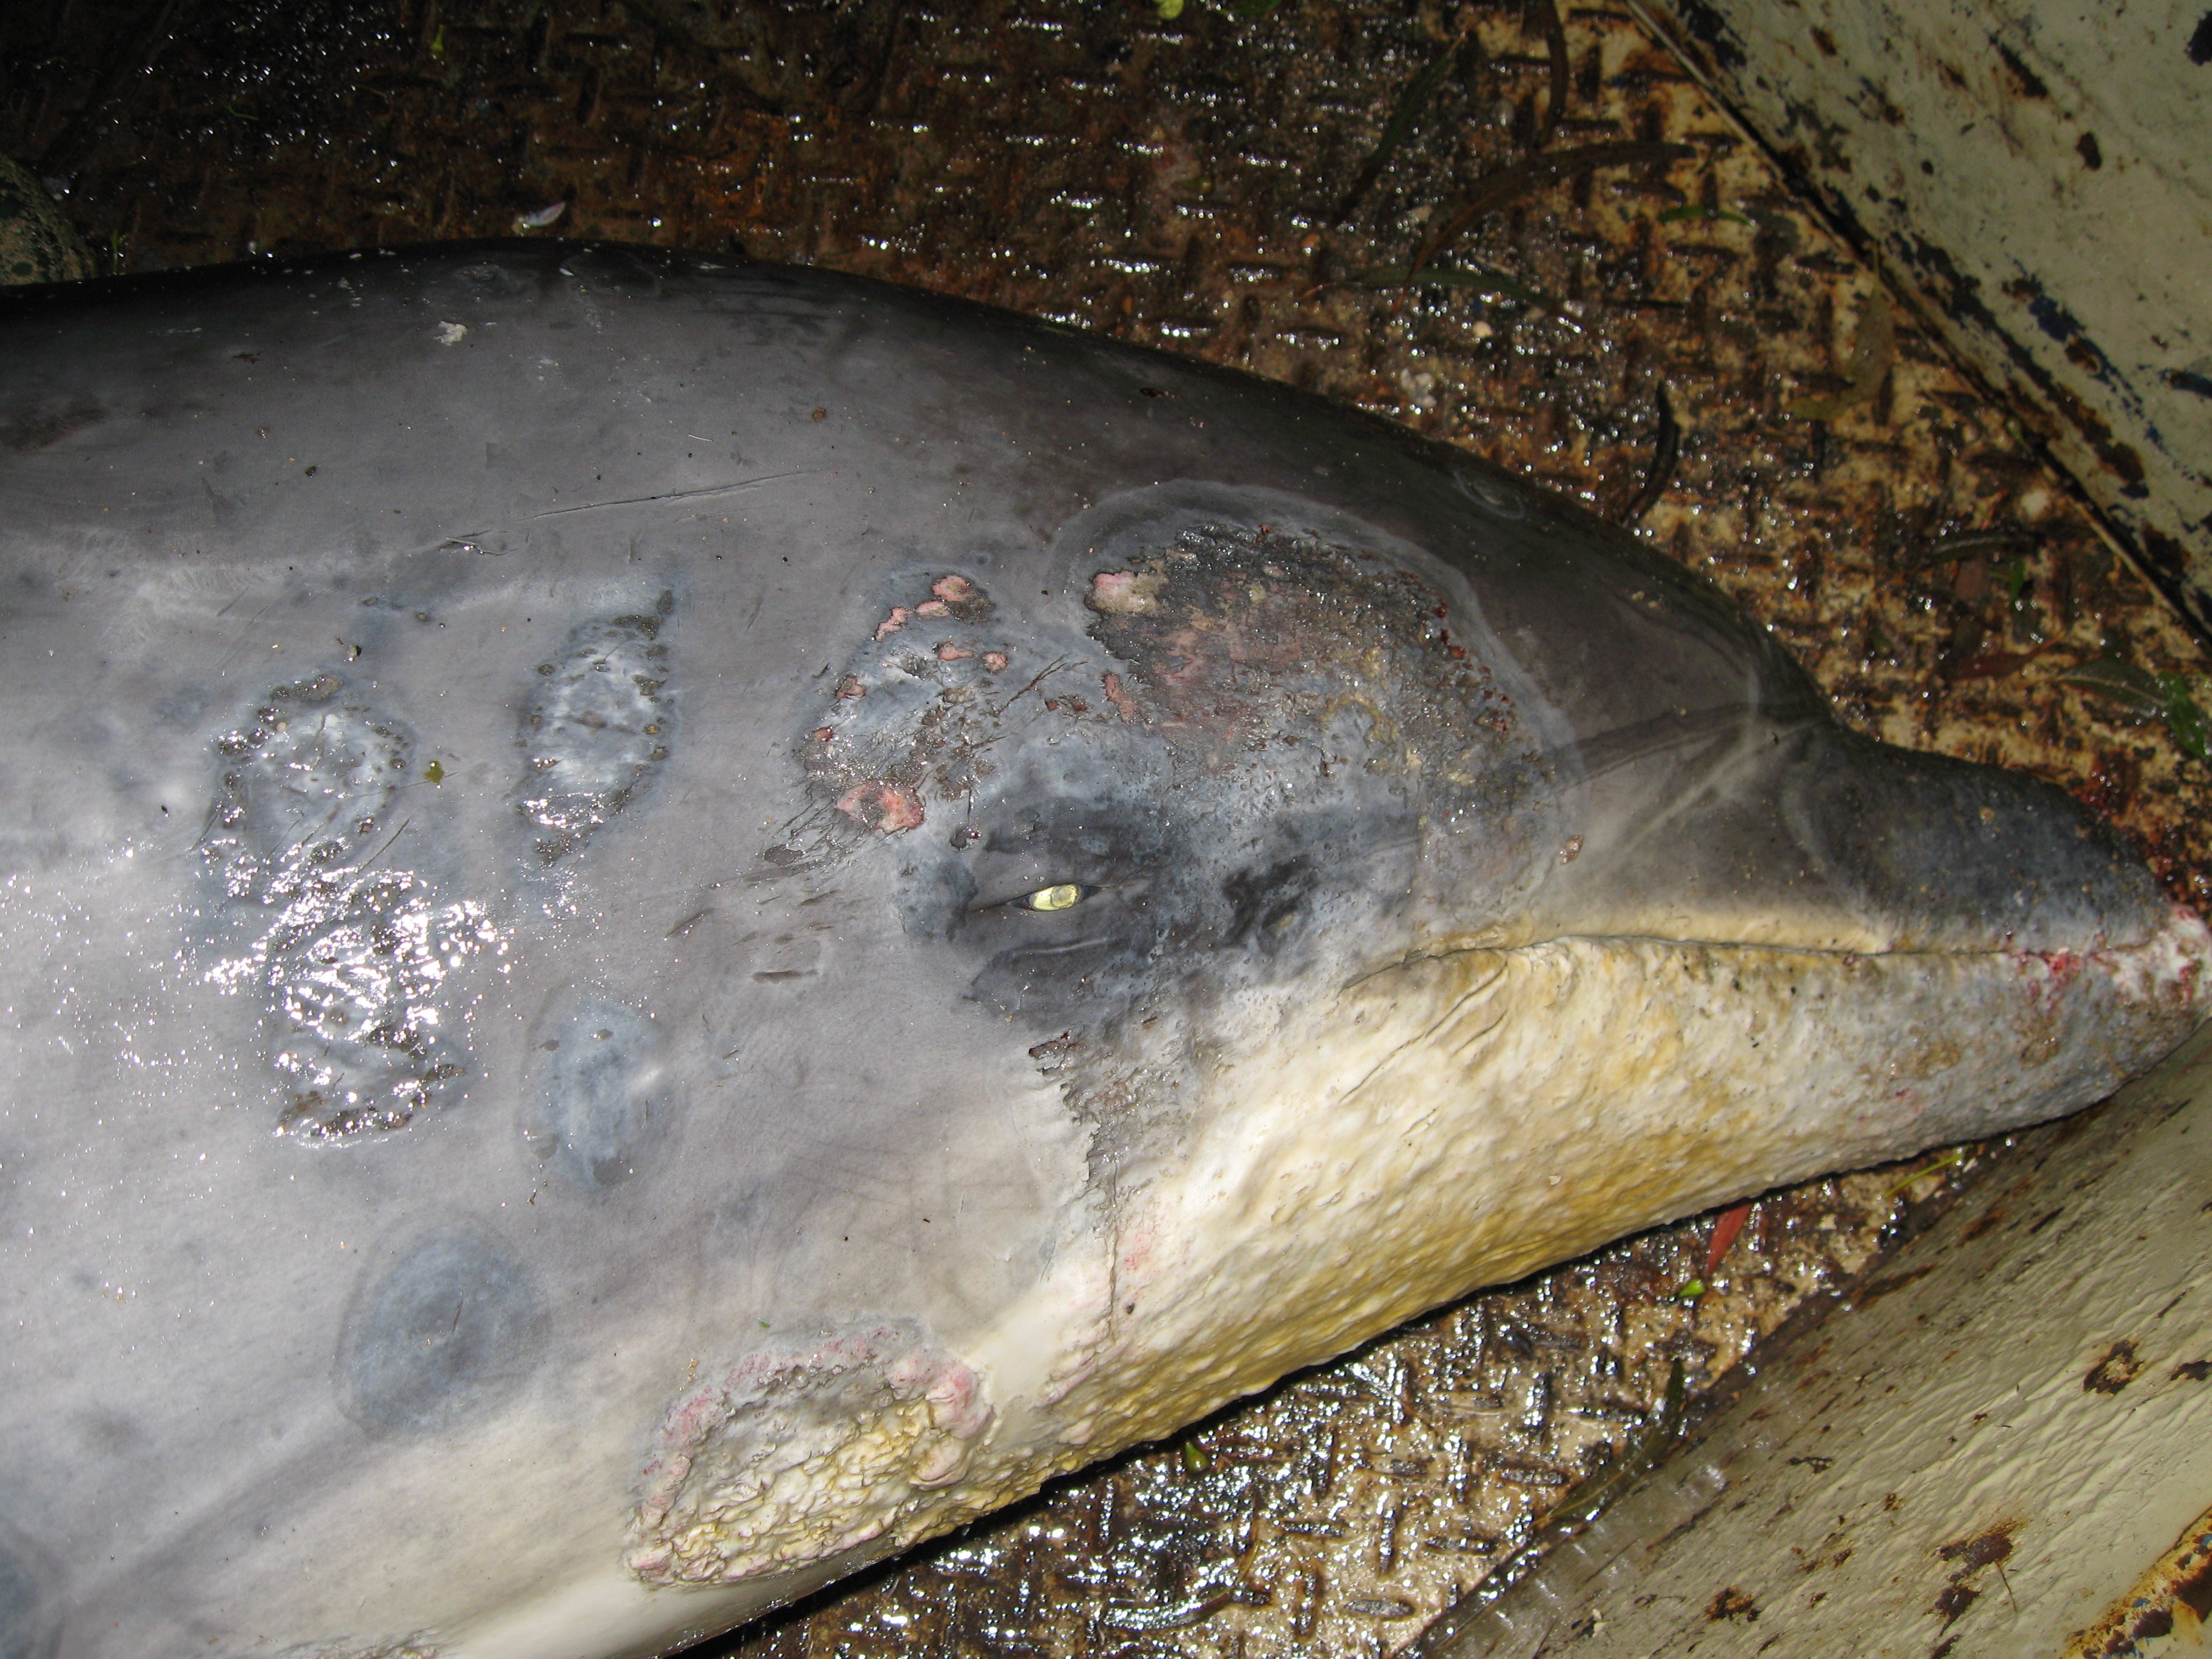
[1301,753]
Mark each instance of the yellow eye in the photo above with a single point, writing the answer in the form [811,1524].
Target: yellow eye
[1065,896]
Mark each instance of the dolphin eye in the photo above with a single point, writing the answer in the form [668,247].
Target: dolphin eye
[1064,896]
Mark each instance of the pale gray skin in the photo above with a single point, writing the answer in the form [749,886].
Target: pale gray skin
[687,1057]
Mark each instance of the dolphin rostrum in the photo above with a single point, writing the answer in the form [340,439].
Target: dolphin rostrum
[664,925]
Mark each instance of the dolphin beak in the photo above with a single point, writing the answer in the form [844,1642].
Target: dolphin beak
[1805,834]
[1933,853]
[1948,950]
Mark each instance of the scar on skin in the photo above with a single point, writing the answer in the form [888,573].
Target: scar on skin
[892,623]
[1572,850]
[950,653]
[881,806]
[850,687]
[1123,704]
[825,733]
[995,662]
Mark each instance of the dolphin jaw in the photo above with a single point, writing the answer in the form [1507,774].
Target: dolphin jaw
[1463,1118]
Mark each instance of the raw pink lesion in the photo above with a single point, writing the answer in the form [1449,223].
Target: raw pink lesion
[681,1434]
[956,1400]
[2188,925]
[878,770]
[951,594]
[1125,593]
[881,806]
[1124,705]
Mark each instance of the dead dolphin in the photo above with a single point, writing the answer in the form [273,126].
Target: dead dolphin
[664,925]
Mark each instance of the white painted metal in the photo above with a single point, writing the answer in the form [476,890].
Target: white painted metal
[2036,175]
[2004,1449]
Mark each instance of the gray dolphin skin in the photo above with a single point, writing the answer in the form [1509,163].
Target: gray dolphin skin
[666,924]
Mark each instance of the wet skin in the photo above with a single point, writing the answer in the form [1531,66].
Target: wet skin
[666,924]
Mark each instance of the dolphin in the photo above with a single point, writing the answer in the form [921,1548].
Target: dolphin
[667,923]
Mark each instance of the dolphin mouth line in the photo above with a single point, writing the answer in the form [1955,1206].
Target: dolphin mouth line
[2152,992]
[2099,947]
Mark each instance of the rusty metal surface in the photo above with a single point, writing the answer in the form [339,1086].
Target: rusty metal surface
[2031,173]
[2172,1600]
[1205,185]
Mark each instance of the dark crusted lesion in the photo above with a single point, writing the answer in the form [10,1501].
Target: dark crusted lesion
[911,720]
[1239,637]
[1261,751]
[1229,642]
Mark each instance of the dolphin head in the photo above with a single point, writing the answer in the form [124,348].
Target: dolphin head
[1379,958]
[1230,767]
[706,1017]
